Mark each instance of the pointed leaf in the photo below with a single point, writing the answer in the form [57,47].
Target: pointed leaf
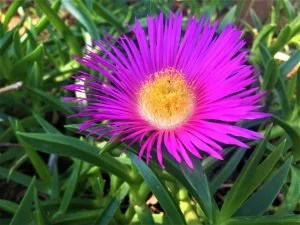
[198,180]
[255,19]
[293,195]
[287,66]
[282,39]
[228,18]
[108,16]
[22,179]
[292,133]
[271,75]
[69,191]
[50,100]
[266,194]
[289,9]
[82,17]
[21,66]
[281,88]
[23,213]
[226,170]
[233,199]
[37,162]
[263,34]
[159,190]
[59,24]
[8,206]
[49,128]
[264,220]
[265,54]
[72,147]
[39,213]
[13,7]
[113,205]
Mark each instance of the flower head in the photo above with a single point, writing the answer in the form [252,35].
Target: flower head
[174,90]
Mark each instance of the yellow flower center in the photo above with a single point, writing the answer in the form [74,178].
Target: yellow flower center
[165,99]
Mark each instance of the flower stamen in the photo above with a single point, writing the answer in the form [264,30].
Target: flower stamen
[165,99]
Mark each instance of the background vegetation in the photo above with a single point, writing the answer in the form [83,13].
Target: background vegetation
[50,174]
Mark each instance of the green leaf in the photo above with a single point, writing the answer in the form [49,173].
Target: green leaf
[8,206]
[291,86]
[49,128]
[109,146]
[69,191]
[295,26]
[281,88]
[50,100]
[265,54]
[12,10]
[159,190]
[114,204]
[271,75]
[43,22]
[37,162]
[22,179]
[40,215]
[6,40]
[264,220]
[82,17]
[293,195]
[17,44]
[76,203]
[190,180]
[55,191]
[287,66]
[263,34]
[282,39]
[72,147]
[256,21]
[17,163]
[78,217]
[266,194]
[71,127]
[240,190]
[228,19]
[292,133]
[253,179]
[270,161]
[226,170]
[289,9]
[21,66]
[9,132]
[262,171]
[31,42]
[198,180]
[35,77]
[298,89]
[23,213]
[12,154]
[144,214]
[108,16]
[60,26]
[210,163]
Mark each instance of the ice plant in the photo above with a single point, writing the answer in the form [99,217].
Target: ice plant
[171,89]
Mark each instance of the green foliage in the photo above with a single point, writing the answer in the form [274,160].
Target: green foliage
[57,176]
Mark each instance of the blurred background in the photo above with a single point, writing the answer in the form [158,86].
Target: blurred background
[50,174]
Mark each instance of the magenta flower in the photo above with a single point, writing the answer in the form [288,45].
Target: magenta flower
[174,90]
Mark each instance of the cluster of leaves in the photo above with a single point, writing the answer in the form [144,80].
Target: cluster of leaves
[51,175]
